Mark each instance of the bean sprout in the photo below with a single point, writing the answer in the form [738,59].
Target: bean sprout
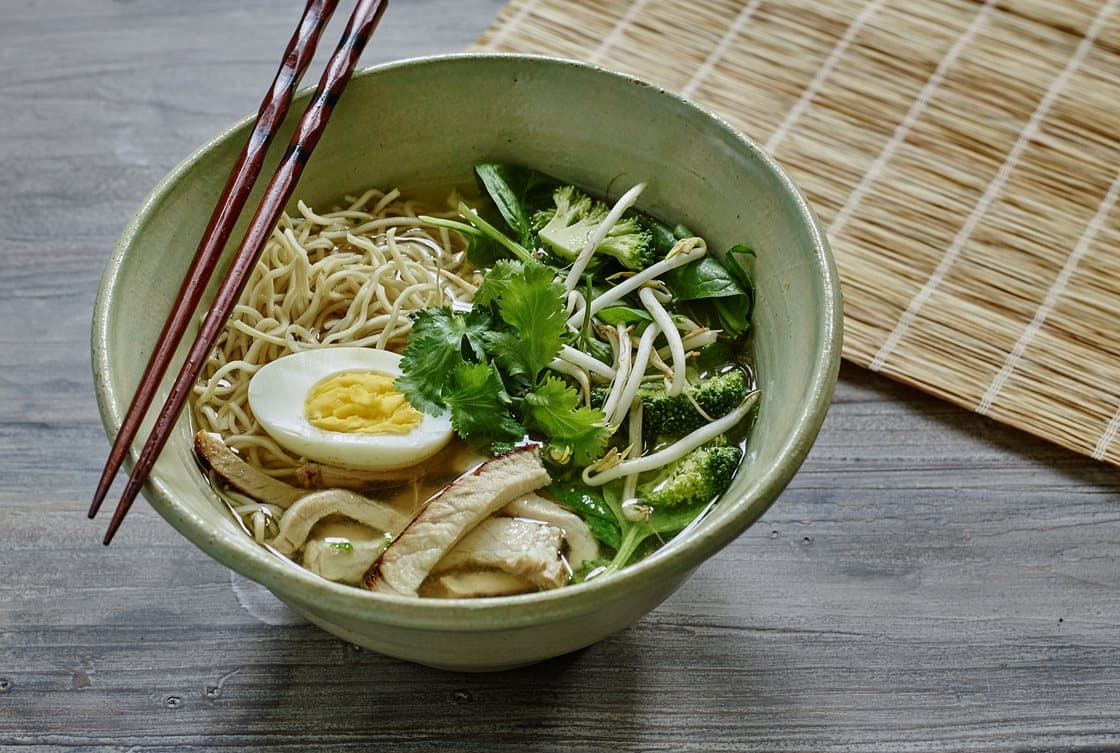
[669,329]
[675,451]
[637,372]
[586,362]
[624,202]
[654,270]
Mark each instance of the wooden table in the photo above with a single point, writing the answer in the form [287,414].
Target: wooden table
[930,580]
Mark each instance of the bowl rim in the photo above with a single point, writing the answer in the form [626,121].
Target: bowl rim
[292,583]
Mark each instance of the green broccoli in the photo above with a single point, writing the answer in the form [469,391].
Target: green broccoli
[696,479]
[675,416]
[565,228]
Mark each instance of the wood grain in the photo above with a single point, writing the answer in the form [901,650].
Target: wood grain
[932,580]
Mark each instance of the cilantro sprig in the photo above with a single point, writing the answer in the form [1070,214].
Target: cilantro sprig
[488,366]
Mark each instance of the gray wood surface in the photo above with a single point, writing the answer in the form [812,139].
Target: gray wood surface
[930,581]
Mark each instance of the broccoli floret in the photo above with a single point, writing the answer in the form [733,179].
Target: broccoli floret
[696,479]
[566,228]
[675,416]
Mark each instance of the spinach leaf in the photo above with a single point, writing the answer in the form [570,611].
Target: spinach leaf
[509,187]
[740,262]
[503,183]
[662,234]
[709,281]
[703,278]
[482,249]
[626,315]
[674,519]
[681,232]
[591,506]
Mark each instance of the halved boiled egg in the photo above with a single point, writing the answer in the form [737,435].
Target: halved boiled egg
[339,406]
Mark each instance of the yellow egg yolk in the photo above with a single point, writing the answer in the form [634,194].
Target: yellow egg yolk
[360,402]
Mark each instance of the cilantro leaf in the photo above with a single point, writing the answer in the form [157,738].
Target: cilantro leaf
[507,350]
[440,341]
[555,409]
[496,281]
[532,303]
[479,405]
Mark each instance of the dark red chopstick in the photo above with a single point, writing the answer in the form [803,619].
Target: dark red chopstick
[364,19]
[273,109]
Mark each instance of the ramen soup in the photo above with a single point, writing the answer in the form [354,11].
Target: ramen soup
[510,394]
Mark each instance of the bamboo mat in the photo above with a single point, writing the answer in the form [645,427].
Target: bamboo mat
[963,155]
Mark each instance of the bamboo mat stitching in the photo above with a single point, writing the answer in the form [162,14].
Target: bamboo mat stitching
[617,30]
[720,50]
[908,121]
[1108,435]
[1052,296]
[503,32]
[823,74]
[994,187]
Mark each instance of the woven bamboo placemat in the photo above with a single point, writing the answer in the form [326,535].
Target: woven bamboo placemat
[964,156]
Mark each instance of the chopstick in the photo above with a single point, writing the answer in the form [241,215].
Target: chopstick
[273,109]
[336,75]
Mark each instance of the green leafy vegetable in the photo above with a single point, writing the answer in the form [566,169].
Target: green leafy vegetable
[555,409]
[488,366]
[494,284]
[708,281]
[703,278]
[589,503]
[532,306]
[661,235]
[509,187]
[682,231]
[480,404]
[435,347]
[625,315]
[739,261]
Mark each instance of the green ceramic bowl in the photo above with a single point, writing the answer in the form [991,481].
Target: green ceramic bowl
[424,123]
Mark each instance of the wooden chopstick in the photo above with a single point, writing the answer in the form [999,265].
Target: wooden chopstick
[273,109]
[340,67]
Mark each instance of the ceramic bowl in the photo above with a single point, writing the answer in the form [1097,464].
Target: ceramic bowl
[424,123]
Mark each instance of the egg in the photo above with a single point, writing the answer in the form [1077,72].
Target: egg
[339,406]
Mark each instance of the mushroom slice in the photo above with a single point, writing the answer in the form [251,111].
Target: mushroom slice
[582,544]
[297,522]
[219,458]
[450,514]
[525,548]
[475,584]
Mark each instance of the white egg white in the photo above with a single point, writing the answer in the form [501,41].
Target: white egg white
[278,391]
